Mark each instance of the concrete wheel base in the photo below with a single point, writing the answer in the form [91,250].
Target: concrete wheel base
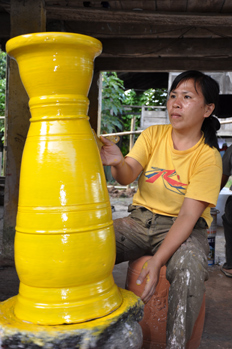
[118,330]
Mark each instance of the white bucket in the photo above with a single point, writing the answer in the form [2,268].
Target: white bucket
[223,196]
[212,235]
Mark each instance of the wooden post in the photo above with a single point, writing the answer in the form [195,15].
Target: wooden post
[132,136]
[95,101]
[26,17]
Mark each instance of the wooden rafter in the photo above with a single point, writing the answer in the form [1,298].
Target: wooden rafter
[111,16]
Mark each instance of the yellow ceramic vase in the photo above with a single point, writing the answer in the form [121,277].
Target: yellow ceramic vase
[64,244]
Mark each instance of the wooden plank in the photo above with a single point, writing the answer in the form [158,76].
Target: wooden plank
[180,47]
[32,15]
[159,5]
[162,64]
[130,5]
[4,25]
[125,30]
[136,5]
[227,6]
[171,5]
[26,17]
[145,17]
[94,99]
[123,4]
[74,3]
[117,5]
[205,5]
[149,5]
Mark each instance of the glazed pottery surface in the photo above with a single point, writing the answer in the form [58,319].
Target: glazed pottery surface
[64,244]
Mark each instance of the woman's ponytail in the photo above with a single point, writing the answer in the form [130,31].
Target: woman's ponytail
[210,127]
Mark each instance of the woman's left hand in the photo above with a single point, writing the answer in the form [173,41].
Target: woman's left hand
[150,272]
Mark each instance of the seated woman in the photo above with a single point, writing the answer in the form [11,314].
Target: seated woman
[180,172]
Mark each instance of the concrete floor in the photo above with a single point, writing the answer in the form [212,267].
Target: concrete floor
[218,320]
[217,331]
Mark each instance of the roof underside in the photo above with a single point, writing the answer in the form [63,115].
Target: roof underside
[145,36]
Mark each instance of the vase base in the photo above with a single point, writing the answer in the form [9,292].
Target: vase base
[119,329]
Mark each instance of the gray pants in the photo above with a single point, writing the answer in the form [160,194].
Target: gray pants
[141,233]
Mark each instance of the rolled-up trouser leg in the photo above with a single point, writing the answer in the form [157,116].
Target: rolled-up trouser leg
[186,272]
[227,225]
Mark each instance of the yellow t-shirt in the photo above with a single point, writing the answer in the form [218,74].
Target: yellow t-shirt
[170,175]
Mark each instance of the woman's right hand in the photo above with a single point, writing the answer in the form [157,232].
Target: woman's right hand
[110,153]
[150,271]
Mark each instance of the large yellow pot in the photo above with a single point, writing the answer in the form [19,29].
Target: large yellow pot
[64,244]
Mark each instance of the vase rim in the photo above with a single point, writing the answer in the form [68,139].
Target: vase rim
[53,37]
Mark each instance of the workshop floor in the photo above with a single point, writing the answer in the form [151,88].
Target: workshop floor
[218,320]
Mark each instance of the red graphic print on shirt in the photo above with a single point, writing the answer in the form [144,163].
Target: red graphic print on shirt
[169,183]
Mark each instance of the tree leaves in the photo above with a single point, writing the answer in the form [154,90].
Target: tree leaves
[2,89]
[112,101]
[114,116]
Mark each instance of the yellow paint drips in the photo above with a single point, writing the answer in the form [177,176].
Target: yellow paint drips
[145,265]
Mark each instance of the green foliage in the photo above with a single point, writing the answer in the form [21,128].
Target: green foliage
[132,98]
[2,89]
[2,82]
[112,101]
[2,65]
[153,97]
[2,96]
[150,97]
[115,116]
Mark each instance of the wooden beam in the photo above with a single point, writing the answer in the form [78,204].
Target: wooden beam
[143,30]
[162,64]
[26,17]
[179,47]
[94,100]
[119,16]
[4,25]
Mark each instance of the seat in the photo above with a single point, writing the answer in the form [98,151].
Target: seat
[155,311]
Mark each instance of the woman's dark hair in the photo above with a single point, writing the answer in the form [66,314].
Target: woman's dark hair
[210,91]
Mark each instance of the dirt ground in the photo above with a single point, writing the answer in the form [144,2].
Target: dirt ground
[115,192]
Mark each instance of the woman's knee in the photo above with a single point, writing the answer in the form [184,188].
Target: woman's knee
[188,265]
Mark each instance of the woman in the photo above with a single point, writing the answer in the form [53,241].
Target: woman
[180,173]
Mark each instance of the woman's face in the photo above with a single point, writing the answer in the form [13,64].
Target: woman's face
[186,106]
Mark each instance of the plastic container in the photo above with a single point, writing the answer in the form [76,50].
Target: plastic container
[223,196]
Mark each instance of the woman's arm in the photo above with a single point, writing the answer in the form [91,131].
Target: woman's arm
[190,212]
[125,171]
